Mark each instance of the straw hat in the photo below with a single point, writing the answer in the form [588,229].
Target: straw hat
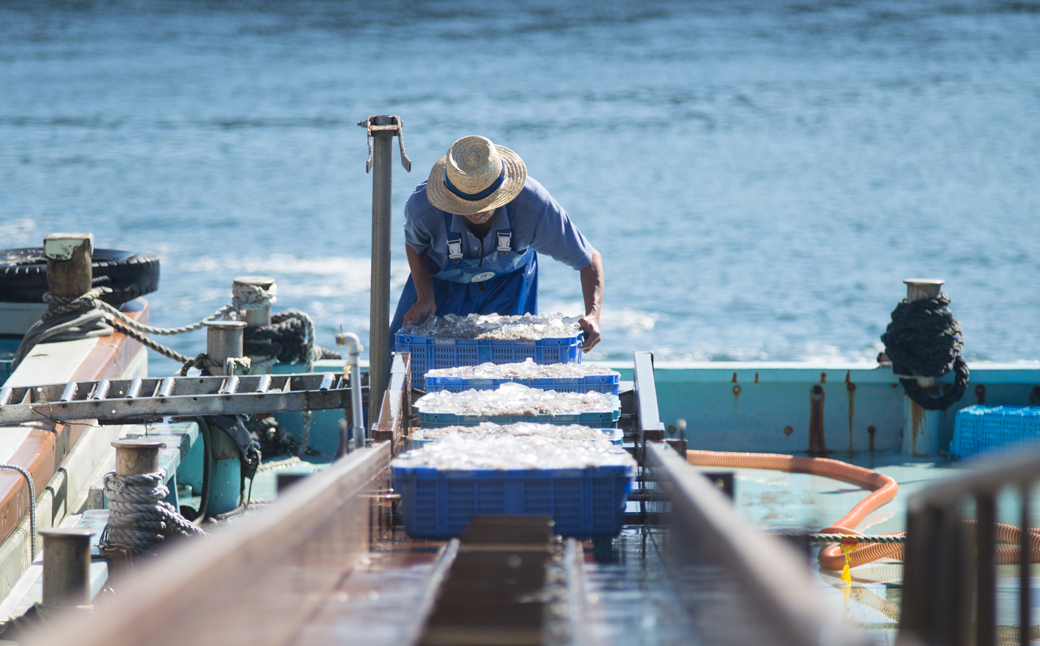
[475,175]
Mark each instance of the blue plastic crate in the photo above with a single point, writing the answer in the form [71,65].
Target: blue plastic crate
[584,503]
[615,435]
[429,353]
[607,384]
[594,419]
[981,429]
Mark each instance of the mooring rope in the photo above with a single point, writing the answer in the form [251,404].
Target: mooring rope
[32,504]
[925,340]
[139,518]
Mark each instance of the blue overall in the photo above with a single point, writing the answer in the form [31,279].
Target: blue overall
[504,281]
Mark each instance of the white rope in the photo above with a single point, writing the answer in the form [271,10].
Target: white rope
[92,299]
[252,297]
[279,464]
[138,517]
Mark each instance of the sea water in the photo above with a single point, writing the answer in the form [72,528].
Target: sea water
[759,176]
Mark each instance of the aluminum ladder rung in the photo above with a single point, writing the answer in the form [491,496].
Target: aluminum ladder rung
[143,397]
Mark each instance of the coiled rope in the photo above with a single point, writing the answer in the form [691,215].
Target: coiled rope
[139,517]
[925,340]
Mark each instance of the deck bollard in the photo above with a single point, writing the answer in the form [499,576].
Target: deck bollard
[69,269]
[66,567]
[137,457]
[259,315]
[921,426]
[223,342]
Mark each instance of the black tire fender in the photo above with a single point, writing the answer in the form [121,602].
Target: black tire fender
[23,274]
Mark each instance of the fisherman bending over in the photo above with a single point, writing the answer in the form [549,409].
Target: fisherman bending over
[474,230]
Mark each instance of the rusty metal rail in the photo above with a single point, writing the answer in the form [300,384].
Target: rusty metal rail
[154,398]
[255,582]
[741,586]
[950,573]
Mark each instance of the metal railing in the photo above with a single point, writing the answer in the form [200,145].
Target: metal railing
[741,586]
[255,582]
[950,572]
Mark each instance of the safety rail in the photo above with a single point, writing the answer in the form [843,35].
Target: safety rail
[255,582]
[950,571]
[740,585]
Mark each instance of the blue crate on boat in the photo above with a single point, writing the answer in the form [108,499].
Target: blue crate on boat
[981,429]
[592,419]
[615,435]
[607,384]
[429,353]
[584,503]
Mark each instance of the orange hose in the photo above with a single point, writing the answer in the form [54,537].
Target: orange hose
[884,489]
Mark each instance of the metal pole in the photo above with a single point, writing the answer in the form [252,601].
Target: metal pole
[224,341]
[353,370]
[379,318]
[921,426]
[381,130]
[66,566]
[1025,619]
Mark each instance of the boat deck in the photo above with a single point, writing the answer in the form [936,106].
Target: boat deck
[630,597]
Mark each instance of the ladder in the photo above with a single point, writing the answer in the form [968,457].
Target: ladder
[149,399]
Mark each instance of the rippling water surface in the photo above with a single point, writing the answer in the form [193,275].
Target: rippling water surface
[759,177]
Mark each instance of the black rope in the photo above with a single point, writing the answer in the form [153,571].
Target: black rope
[925,340]
[285,339]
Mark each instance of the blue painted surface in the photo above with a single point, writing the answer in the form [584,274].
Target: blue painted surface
[7,349]
[325,431]
[225,492]
[190,471]
[746,406]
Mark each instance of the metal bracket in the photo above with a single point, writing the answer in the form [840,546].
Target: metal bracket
[393,125]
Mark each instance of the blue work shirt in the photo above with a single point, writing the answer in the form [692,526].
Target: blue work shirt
[535,219]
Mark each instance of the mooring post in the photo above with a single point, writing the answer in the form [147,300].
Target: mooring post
[69,270]
[137,457]
[224,341]
[259,315]
[381,131]
[66,566]
[921,426]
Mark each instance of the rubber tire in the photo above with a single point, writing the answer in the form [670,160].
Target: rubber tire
[23,274]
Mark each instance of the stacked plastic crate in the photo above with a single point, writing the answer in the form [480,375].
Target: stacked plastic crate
[485,474]
[987,429]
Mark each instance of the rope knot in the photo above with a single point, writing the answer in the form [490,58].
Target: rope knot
[925,340]
[138,516]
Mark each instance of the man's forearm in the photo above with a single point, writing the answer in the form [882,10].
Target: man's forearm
[592,286]
[418,264]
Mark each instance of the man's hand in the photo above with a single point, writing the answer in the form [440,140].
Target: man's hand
[590,325]
[423,308]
